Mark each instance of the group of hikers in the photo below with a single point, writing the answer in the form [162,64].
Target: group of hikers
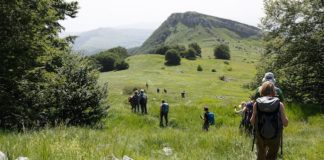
[138,101]
[263,116]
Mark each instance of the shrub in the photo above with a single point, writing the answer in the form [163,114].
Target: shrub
[229,69]
[222,52]
[223,78]
[172,57]
[213,70]
[226,62]
[196,48]
[191,54]
[122,65]
[199,68]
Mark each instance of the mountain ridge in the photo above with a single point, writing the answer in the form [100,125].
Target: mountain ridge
[195,25]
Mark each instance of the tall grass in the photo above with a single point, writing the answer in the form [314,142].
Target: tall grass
[140,137]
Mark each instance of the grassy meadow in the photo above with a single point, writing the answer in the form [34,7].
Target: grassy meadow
[140,137]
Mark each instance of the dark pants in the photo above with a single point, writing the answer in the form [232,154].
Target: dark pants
[205,126]
[144,108]
[165,115]
[267,149]
[135,108]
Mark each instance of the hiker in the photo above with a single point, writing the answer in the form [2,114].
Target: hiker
[143,101]
[165,91]
[269,76]
[208,119]
[146,84]
[268,119]
[242,109]
[158,90]
[183,94]
[164,110]
[134,101]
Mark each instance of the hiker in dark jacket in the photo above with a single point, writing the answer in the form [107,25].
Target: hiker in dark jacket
[270,78]
[164,110]
[267,146]
[143,101]
[134,100]
[205,126]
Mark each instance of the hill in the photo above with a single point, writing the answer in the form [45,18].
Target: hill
[93,41]
[183,28]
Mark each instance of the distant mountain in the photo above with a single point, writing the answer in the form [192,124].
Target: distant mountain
[183,28]
[93,41]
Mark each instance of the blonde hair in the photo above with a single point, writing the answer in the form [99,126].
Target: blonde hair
[267,89]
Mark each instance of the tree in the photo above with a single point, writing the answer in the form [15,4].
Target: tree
[38,83]
[172,57]
[293,32]
[222,52]
[196,47]
[191,54]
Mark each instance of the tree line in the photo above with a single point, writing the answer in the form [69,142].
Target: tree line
[174,53]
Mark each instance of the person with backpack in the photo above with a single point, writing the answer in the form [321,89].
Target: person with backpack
[134,101]
[269,76]
[268,119]
[164,110]
[143,101]
[208,119]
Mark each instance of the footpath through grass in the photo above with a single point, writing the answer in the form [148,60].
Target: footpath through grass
[140,137]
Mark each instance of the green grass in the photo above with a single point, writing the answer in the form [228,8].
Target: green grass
[140,137]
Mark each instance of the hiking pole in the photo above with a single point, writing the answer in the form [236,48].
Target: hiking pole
[281,143]
[253,140]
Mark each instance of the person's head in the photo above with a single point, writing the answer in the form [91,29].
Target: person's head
[206,108]
[242,105]
[142,91]
[269,76]
[163,101]
[267,89]
[135,92]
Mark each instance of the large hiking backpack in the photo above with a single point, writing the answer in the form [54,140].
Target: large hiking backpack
[269,125]
[211,118]
[248,113]
[165,108]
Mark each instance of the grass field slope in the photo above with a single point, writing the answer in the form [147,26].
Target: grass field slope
[140,137]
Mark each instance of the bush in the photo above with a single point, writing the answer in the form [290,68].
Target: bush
[199,68]
[226,62]
[191,54]
[213,70]
[222,52]
[122,65]
[172,57]
[69,93]
[196,48]
[223,78]
[229,69]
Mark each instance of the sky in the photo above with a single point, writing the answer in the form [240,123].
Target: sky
[149,14]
